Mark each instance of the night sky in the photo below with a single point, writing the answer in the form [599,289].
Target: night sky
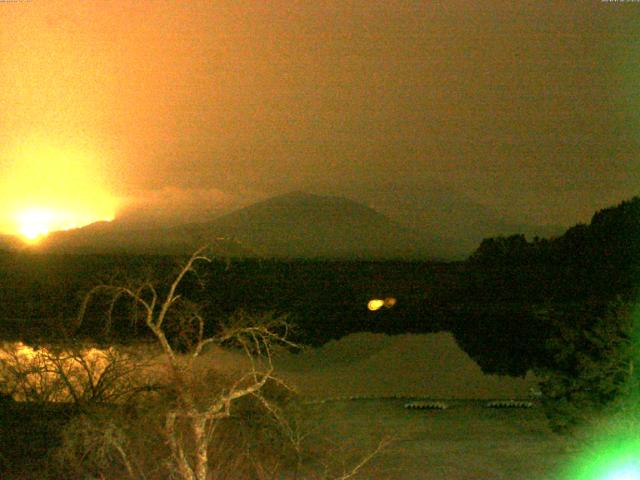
[528,108]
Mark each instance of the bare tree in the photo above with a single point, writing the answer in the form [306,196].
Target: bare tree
[189,409]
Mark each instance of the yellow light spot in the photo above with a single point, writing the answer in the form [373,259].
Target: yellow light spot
[47,188]
[375,304]
[34,224]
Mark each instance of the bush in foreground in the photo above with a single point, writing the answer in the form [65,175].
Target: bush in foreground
[592,367]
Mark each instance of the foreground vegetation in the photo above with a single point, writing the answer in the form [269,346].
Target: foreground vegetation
[175,417]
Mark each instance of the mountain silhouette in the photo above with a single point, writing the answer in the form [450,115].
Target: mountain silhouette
[299,224]
[293,225]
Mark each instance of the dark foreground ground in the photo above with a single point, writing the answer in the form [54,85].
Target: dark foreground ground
[465,441]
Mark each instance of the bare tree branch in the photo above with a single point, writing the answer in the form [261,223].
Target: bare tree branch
[365,460]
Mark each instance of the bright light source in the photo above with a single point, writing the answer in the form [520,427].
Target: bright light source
[616,458]
[35,223]
[48,188]
[626,472]
[375,304]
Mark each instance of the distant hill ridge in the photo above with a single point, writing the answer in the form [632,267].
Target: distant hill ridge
[299,224]
[292,225]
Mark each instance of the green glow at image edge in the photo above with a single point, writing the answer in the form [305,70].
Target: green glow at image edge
[619,459]
[613,457]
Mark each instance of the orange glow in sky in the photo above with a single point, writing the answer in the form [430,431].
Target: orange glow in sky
[48,188]
[483,123]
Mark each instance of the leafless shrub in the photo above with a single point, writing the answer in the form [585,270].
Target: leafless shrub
[69,373]
[96,443]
